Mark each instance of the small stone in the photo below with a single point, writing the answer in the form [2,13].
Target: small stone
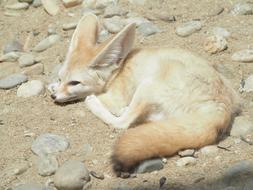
[26,1]
[47,165]
[69,26]
[49,143]
[32,186]
[46,43]
[113,10]
[164,16]
[114,24]
[71,3]
[13,45]
[147,29]
[221,32]
[215,44]
[37,69]
[17,6]
[101,4]
[162,181]
[243,55]
[10,57]
[51,6]
[72,175]
[239,173]
[136,20]
[138,2]
[36,3]
[209,150]
[21,169]
[86,10]
[187,152]
[244,8]
[31,88]
[149,166]
[26,60]
[188,28]
[103,35]
[12,81]
[186,161]
[97,175]
[51,29]
[241,126]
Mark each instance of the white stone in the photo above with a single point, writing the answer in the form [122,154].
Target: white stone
[243,55]
[188,28]
[51,6]
[31,88]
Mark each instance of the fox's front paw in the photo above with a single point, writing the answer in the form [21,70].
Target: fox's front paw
[93,104]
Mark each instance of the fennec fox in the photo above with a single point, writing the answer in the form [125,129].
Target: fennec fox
[171,98]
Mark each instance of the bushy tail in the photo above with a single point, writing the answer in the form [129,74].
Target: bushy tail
[158,139]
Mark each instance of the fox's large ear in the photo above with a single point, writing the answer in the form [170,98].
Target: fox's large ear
[86,32]
[116,49]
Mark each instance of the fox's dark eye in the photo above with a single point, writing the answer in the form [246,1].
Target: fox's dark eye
[74,82]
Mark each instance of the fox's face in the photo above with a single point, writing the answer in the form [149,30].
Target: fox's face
[89,65]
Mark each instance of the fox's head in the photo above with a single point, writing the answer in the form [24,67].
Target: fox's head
[89,65]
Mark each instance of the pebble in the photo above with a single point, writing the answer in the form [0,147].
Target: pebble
[101,4]
[114,24]
[186,161]
[51,29]
[37,69]
[188,28]
[32,186]
[21,169]
[71,3]
[209,150]
[239,173]
[221,32]
[69,26]
[215,44]
[150,165]
[241,126]
[86,10]
[243,8]
[51,6]
[47,165]
[187,152]
[26,60]
[49,143]
[245,55]
[31,88]
[46,43]
[13,45]
[17,6]
[72,175]
[147,29]
[10,57]
[113,10]
[36,3]
[138,2]
[97,175]
[12,81]
[103,35]
[136,20]
[164,16]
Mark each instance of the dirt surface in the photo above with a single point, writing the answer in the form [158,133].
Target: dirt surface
[38,115]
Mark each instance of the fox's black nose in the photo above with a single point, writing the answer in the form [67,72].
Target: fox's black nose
[53,96]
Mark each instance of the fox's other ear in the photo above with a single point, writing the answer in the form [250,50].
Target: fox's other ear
[116,49]
[86,32]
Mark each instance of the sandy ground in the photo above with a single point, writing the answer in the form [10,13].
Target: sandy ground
[40,115]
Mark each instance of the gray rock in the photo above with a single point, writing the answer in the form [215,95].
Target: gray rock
[186,161]
[136,20]
[209,150]
[31,88]
[13,45]
[37,69]
[69,26]
[244,8]
[36,3]
[17,6]
[114,24]
[47,165]
[243,55]
[242,126]
[147,29]
[12,81]
[32,186]
[188,28]
[113,10]
[49,143]
[187,152]
[72,175]
[149,166]
[10,57]
[215,44]
[248,85]
[26,60]
[240,173]
[46,43]
[221,32]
